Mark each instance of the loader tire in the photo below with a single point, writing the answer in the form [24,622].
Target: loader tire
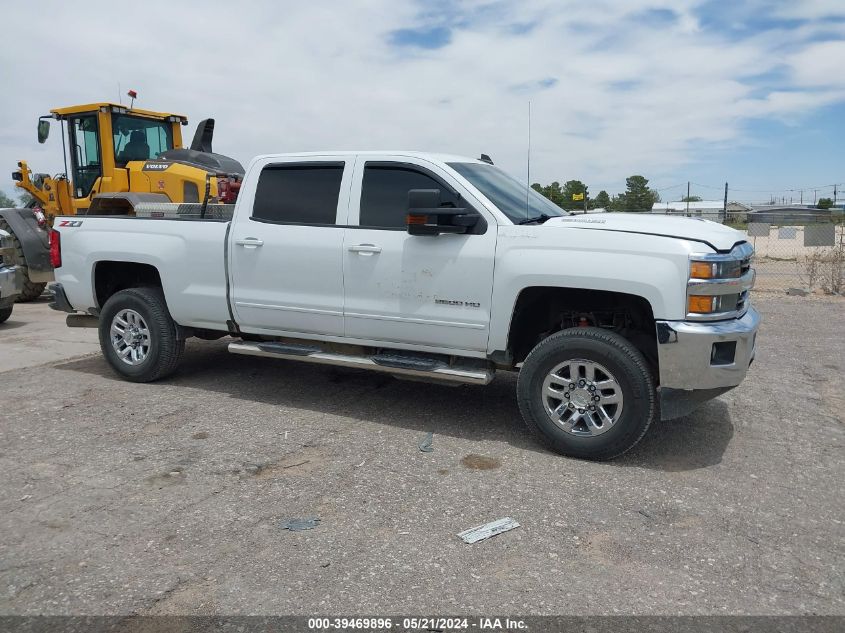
[30,290]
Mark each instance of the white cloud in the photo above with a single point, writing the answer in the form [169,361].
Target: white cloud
[820,64]
[809,9]
[634,91]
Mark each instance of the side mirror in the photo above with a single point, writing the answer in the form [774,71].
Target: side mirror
[43,130]
[427,217]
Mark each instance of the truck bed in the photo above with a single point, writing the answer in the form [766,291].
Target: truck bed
[192,255]
[185,211]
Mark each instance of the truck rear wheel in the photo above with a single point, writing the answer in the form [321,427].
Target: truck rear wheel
[5,313]
[587,393]
[138,337]
[30,289]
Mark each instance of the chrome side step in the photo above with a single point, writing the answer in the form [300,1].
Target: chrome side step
[473,373]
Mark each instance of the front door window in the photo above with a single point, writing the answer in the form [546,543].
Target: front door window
[85,154]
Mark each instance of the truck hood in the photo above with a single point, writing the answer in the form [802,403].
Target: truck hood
[715,235]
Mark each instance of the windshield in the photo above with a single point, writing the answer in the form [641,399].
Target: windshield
[512,197]
[139,138]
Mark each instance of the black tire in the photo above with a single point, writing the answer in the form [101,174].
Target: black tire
[625,363]
[165,348]
[5,313]
[30,290]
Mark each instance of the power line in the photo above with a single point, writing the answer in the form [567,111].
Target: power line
[773,190]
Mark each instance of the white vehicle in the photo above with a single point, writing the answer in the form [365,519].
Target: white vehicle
[11,276]
[430,266]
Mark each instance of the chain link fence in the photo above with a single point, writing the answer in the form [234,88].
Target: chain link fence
[802,249]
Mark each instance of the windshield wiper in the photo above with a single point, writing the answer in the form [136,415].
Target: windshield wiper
[537,218]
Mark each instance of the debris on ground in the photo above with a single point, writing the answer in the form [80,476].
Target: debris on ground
[426,442]
[481,532]
[797,292]
[480,462]
[297,525]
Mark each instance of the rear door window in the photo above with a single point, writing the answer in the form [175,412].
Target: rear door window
[298,193]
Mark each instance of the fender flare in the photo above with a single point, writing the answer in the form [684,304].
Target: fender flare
[34,240]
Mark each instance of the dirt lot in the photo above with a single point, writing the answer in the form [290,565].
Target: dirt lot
[120,498]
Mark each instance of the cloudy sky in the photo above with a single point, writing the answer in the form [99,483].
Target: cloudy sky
[751,92]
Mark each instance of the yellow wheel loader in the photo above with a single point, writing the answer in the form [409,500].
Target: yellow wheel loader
[117,159]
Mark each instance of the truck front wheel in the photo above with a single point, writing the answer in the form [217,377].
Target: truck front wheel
[138,337]
[587,393]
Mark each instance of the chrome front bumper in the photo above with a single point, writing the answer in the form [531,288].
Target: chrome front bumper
[700,360]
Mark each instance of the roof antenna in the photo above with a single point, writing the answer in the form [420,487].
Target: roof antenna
[528,168]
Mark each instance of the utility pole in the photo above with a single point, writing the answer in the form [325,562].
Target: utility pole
[725,205]
[687,198]
[815,191]
[834,195]
[802,197]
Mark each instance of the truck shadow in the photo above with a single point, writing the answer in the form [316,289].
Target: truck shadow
[468,412]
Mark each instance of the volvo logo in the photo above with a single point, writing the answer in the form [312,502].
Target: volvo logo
[158,166]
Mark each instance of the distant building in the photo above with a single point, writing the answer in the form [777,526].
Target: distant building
[738,206]
[708,209]
[788,214]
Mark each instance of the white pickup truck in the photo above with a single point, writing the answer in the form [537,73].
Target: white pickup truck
[427,266]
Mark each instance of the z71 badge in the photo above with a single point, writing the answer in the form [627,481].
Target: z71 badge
[70,223]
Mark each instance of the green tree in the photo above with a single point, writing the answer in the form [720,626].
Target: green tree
[691,199]
[5,201]
[552,192]
[638,196]
[555,193]
[573,188]
[617,202]
[601,201]
[824,203]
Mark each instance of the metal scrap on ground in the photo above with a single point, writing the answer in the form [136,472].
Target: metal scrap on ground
[297,525]
[425,443]
[481,532]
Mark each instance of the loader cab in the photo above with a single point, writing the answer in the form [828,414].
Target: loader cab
[104,137]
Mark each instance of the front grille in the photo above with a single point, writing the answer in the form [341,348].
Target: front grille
[742,302]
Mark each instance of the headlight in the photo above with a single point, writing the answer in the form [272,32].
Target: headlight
[725,269]
[719,283]
[712,304]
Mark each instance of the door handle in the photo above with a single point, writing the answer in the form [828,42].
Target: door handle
[250,242]
[365,248]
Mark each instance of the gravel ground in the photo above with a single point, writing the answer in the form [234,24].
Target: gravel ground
[169,498]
